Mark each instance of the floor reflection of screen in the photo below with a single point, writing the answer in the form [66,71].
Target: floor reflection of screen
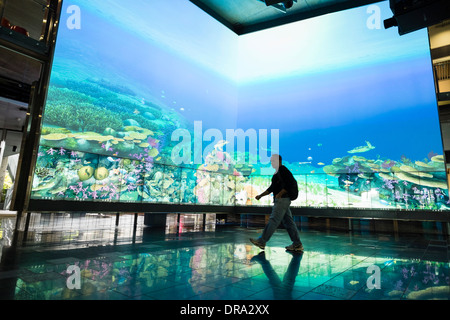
[354,106]
[185,223]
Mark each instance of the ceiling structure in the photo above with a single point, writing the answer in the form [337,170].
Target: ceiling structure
[18,72]
[245,16]
[23,71]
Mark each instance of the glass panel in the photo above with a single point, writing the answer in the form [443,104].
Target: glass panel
[229,190]
[216,188]
[429,189]
[333,192]
[202,188]
[152,190]
[210,222]
[301,199]
[82,176]
[50,180]
[171,223]
[190,223]
[187,186]
[131,175]
[316,189]
[310,198]
[243,187]
[260,184]
[247,189]
[353,188]
[387,189]
[441,190]
[368,190]
[172,184]
[267,200]
[105,184]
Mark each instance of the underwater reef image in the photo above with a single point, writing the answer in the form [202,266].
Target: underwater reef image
[351,181]
[356,181]
[97,117]
[101,142]
[74,175]
[62,174]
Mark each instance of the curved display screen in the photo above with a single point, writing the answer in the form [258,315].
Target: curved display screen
[152,101]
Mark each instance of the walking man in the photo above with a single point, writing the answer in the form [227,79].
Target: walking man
[282,181]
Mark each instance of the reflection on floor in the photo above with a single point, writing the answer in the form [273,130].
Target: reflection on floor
[150,264]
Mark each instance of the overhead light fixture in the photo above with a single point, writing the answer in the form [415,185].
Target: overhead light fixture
[280,5]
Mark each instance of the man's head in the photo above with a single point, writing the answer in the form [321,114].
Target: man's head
[275,160]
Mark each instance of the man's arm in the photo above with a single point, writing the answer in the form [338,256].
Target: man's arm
[265,193]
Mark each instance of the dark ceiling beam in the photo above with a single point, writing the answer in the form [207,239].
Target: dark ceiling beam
[241,29]
[350,4]
[213,14]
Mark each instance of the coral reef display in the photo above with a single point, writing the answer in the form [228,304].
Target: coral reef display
[100,142]
[351,181]
[355,181]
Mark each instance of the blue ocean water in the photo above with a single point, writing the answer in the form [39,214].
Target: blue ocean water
[145,67]
[324,117]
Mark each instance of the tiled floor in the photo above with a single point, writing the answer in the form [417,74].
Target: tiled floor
[223,265]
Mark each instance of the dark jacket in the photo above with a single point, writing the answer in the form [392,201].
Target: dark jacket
[282,179]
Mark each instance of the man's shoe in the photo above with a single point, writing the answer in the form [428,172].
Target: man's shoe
[258,243]
[295,248]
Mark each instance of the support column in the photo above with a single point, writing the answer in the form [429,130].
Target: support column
[33,123]
[395,222]
[117,218]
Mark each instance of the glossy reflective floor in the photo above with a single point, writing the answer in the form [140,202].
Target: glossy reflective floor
[149,264]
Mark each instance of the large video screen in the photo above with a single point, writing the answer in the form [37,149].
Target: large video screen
[155,101]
